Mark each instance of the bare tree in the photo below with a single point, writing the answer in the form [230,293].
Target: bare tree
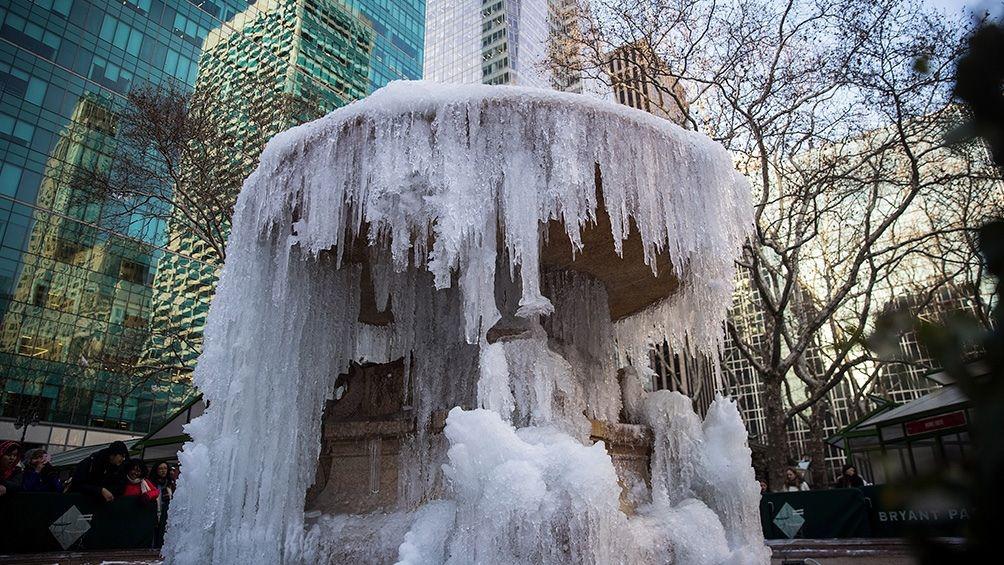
[837,112]
[181,157]
[171,175]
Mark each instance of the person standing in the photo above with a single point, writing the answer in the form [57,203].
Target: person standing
[849,477]
[793,481]
[136,483]
[161,478]
[10,468]
[100,474]
[39,474]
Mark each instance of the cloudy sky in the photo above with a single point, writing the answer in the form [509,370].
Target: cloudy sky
[994,6]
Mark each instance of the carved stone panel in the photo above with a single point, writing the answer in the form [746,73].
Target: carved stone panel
[360,441]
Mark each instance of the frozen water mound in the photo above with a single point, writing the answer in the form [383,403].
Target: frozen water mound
[536,495]
[437,201]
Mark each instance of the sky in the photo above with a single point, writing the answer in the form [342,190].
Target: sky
[996,7]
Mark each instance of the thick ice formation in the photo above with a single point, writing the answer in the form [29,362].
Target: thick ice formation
[417,162]
[449,188]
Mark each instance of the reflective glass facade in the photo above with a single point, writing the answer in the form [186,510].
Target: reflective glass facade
[317,52]
[399,26]
[91,290]
[488,41]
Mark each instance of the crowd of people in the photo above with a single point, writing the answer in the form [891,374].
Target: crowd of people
[105,475]
[795,482]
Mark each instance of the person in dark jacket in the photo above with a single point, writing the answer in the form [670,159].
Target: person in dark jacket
[161,478]
[849,478]
[10,468]
[100,474]
[39,474]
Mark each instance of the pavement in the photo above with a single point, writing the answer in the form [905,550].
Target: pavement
[114,557]
[853,551]
[865,551]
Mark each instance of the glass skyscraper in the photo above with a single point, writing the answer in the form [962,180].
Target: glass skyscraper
[86,284]
[488,41]
[314,52]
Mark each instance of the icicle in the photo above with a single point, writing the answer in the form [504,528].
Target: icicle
[374,448]
[494,392]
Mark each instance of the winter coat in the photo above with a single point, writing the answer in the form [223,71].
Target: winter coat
[142,488]
[46,480]
[12,479]
[850,481]
[165,485]
[95,473]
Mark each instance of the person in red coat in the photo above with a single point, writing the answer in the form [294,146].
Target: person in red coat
[137,484]
[10,468]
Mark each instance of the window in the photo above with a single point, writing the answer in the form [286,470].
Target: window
[133,272]
[67,251]
[207,6]
[30,35]
[134,321]
[180,66]
[140,5]
[110,75]
[61,7]
[19,83]
[40,295]
[121,35]
[190,29]
[115,412]
[19,405]
[10,177]
[16,129]
[17,230]
[36,91]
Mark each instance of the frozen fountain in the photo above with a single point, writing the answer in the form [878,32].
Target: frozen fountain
[429,339]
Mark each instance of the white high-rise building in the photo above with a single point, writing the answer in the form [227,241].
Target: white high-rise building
[487,41]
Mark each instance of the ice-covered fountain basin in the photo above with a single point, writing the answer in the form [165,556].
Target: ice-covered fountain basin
[432,172]
[426,185]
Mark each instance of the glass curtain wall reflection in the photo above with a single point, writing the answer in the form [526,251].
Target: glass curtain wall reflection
[91,288]
[489,41]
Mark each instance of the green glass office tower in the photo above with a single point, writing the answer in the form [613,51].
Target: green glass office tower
[283,62]
[77,275]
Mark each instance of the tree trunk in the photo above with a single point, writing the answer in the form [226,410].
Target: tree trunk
[817,444]
[776,431]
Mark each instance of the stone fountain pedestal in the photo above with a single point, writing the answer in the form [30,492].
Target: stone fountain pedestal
[363,432]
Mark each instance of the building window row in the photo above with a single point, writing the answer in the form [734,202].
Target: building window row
[30,35]
[61,7]
[121,35]
[16,130]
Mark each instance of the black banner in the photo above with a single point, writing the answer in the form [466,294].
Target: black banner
[894,514]
[37,522]
[816,514]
